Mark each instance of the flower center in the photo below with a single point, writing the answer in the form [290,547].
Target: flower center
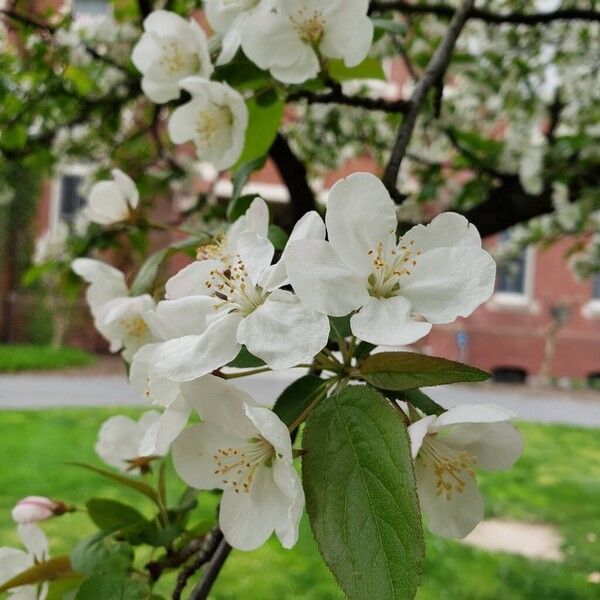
[389,267]
[450,466]
[134,327]
[310,26]
[234,288]
[238,465]
[211,121]
[176,61]
[218,250]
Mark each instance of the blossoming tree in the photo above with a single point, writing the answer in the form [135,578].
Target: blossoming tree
[334,298]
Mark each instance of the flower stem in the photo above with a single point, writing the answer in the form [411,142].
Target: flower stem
[244,373]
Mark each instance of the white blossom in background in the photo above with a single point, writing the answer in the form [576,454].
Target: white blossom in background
[432,275]
[244,304]
[14,561]
[228,18]
[119,442]
[37,508]
[531,165]
[215,119]
[170,50]
[118,316]
[447,450]
[52,245]
[246,451]
[113,201]
[288,40]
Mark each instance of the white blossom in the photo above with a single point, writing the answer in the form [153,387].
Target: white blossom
[246,451]
[14,561]
[118,316]
[447,449]
[52,244]
[119,442]
[170,50]
[432,275]
[215,119]
[112,201]
[288,40]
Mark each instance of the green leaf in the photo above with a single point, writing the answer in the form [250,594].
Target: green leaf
[278,237]
[265,113]
[64,589]
[363,350]
[390,25]
[361,495]
[419,399]
[111,515]
[138,486]
[99,554]
[55,568]
[238,206]
[370,68]
[243,173]
[242,74]
[113,587]
[246,360]
[298,397]
[14,137]
[409,370]
[340,327]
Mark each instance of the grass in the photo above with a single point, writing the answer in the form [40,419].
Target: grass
[557,481]
[33,358]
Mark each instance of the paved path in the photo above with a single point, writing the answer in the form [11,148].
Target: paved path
[42,391]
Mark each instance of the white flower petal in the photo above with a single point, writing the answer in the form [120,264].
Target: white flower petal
[13,562]
[447,283]
[166,23]
[177,318]
[127,187]
[107,203]
[164,430]
[181,122]
[34,539]
[192,280]
[145,51]
[305,67]
[455,517]
[287,523]
[350,38]
[387,322]
[272,429]
[448,230]
[283,332]
[256,252]
[160,92]
[190,357]
[118,441]
[473,413]
[107,283]
[360,214]
[417,432]
[322,280]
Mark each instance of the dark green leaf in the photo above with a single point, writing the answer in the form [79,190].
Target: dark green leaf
[419,399]
[113,587]
[278,237]
[370,68]
[363,350]
[361,495]
[99,554]
[297,398]
[246,360]
[408,370]
[147,273]
[111,515]
[243,173]
[242,74]
[238,206]
[340,327]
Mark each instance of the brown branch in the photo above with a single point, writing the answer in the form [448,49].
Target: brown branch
[516,18]
[25,20]
[337,97]
[433,74]
[214,568]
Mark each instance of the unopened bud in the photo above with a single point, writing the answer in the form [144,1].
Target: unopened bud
[38,508]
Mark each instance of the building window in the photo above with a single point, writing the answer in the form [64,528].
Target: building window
[511,277]
[91,8]
[70,200]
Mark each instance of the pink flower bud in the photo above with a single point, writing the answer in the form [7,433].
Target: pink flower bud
[37,508]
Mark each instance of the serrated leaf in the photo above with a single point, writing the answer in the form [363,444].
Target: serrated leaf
[54,568]
[113,587]
[111,515]
[298,397]
[408,370]
[100,554]
[361,495]
[370,68]
[278,237]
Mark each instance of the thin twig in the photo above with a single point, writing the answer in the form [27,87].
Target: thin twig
[337,97]
[214,568]
[433,74]
[516,18]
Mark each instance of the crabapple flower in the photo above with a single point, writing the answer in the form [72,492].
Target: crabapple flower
[117,316]
[243,304]
[300,30]
[246,451]
[170,50]
[432,275]
[37,508]
[446,451]
[215,119]
[111,202]
[14,561]
[119,441]
[228,18]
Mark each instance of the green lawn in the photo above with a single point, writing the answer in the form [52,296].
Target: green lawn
[32,358]
[557,481]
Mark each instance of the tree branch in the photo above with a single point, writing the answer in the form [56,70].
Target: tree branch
[433,74]
[214,568]
[516,18]
[337,97]
[293,173]
[25,20]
